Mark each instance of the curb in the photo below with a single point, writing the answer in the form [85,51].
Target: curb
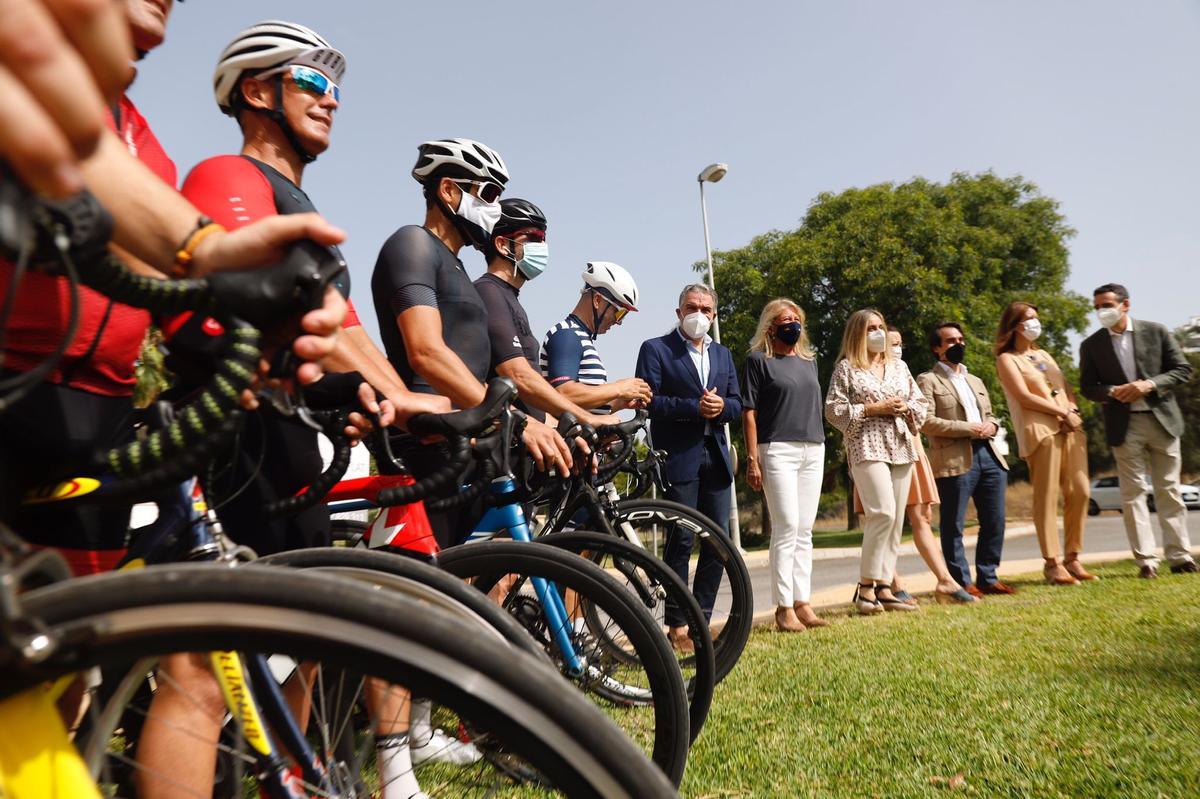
[923,583]
[759,556]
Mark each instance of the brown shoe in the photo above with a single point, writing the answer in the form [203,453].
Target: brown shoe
[680,641]
[974,591]
[1148,573]
[1056,575]
[998,588]
[786,621]
[807,617]
[1076,570]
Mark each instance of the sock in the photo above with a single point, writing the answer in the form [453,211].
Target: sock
[397,780]
[420,728]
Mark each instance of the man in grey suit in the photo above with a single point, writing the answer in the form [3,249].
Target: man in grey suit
[1133,369]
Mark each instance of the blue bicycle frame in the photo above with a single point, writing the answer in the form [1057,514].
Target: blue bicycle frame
[510,518]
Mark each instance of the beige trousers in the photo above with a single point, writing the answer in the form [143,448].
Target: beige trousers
[1149,449]
[1059,467]
[883,489]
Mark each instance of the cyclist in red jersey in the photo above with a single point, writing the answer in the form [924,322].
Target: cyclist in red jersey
[280,81]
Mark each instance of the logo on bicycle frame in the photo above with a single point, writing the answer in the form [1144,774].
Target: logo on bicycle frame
[60,491]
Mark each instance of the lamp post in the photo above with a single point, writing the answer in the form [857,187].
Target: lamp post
[713,174]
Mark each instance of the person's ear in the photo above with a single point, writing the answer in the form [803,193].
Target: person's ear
[449,192]
[679,314]
[258,94]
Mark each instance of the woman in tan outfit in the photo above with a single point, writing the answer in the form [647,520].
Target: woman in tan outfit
[1049,436]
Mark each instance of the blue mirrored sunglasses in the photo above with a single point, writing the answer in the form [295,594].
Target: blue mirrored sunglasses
[308,79]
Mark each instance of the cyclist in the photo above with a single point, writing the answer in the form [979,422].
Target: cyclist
[439,342]
[281,82]
[517,253]
[85,403]
[570,361]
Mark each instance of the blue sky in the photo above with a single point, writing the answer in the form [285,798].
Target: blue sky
[606,112]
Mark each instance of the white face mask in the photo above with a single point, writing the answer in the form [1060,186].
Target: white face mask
[876,341]
[477,212]
[1109,316]
[695,325]
[1031,329]
[898,353]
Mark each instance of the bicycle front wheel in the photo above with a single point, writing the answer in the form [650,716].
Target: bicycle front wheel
[643,694]
[539,736]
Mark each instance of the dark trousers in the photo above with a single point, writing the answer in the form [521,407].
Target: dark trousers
[985,483]
[54,433]
[709,494]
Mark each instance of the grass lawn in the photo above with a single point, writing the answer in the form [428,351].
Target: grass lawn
[1088,691]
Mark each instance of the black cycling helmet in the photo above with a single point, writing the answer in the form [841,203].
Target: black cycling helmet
[515,215]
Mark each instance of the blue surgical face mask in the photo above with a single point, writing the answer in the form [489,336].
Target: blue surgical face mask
[534,259]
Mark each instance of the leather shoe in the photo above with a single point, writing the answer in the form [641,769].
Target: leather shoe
[807,617]
[1187,567]
[681,642]
[786,621]
[997,588]
[1148,573]
[973,590]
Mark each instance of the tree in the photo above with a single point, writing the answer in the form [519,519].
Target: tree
[1188,396]
[920,252]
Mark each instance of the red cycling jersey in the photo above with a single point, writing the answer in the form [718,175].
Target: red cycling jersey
[101,357]
[235,192]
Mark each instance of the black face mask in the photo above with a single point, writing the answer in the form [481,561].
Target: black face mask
[955,353]
[788,333]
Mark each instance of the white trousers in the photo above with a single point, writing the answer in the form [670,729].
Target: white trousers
[883,489]
[791,472]
[1149,449]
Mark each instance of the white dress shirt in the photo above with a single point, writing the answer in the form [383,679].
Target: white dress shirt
[958,379]
[1123,345]
[699,355]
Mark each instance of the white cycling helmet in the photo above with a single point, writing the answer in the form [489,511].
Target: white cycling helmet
[614,281]
[459,158]
[269,44]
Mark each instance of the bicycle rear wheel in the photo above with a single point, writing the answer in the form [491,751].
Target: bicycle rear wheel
[733,614]
[519,710]
[650,582]
[645,694]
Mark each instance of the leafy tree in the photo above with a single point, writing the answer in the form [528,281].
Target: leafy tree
[920,252]
[1188,396]
[151,374]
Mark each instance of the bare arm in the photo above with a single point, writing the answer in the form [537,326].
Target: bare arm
[432,359]
[535,391]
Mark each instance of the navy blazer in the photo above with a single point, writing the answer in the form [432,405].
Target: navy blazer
[675,422]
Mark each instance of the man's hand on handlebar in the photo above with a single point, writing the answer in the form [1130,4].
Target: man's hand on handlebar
[319,329]
[358,425]
[409,403]
[547,447]
[633,393]
[52,105]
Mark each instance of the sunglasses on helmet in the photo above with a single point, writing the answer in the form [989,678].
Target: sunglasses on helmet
[308,79]
[488,192]
[619,312]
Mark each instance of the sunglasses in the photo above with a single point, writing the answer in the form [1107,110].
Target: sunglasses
[488,192]
[619,313]
[308,79]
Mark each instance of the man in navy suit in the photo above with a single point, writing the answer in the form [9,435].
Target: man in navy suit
[696,392]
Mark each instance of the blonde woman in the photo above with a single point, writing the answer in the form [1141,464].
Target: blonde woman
[785,442]
[1050,438]
[875,402]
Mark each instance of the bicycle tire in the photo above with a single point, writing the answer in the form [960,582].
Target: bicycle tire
[412,577]
[116,617]
[347,533]
[645,576]
[731,639]
[486,563]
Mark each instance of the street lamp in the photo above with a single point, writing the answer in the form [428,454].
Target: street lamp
[713,174]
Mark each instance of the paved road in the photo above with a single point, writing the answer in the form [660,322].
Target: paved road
[1103,533]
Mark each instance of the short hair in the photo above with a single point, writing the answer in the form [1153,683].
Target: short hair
[697,288]
[935,333]
[1116,288]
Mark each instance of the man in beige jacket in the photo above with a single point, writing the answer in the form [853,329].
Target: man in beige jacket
[966,465]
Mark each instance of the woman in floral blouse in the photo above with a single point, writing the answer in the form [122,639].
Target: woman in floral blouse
[877,405]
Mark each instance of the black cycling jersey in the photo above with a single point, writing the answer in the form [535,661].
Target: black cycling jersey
[415,268]
[508,329]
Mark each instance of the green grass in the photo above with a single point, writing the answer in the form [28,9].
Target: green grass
[1088,691]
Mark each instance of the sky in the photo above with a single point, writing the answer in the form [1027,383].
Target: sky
[606,112]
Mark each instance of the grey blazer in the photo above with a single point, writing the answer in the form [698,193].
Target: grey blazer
[1159,360]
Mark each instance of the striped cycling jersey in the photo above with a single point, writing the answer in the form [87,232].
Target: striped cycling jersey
[569,353]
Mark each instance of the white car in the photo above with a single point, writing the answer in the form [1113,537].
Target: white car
[1106,495]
